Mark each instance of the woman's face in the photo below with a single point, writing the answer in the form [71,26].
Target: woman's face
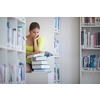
[34,33]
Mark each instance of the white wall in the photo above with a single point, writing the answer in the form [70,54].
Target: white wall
[70,50]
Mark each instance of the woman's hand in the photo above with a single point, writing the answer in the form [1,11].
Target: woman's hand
[36,37]
[36,52]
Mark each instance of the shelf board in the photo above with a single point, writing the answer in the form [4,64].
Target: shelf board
[16,18]
[8,48]
[56,56]
[90,71]
[56,32]
[90,48]
[90,26]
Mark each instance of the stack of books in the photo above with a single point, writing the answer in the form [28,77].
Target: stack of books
[39,61]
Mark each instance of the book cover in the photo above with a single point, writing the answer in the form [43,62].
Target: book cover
[96,21]
[88,39]
[98,63]
[39,62]
[40,66]
[93,21]
[83,20]
[20,34]
[82,38]
[91,61]
[39,58]
[94,40]
[97,39]
[95,61]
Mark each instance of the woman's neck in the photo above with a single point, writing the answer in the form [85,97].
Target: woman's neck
[30,37]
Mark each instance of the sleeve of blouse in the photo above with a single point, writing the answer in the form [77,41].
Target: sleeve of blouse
[40,43]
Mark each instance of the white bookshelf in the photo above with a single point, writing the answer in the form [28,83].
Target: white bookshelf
[57,58]
[89,76]
[8,54]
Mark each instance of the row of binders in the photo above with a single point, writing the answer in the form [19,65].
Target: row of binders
[15,37]
[91,62]
[89,40]
[39,61]
[12,73]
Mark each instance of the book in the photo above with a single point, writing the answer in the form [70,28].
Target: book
[45,53]
[88,39]
[91,61]
[35,55]
[20,34]
[39,62]
[41,66]
[82,39]
[39,58]
[94,40]
[93,21]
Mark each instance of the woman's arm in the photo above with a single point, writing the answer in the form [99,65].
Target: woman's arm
[35,45]
[32,53]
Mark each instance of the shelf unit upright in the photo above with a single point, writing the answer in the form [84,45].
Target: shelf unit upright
[88,76]
[8,54]
[57,57]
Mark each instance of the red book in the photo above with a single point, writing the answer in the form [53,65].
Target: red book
[93,21]
[94,40]
[85,20]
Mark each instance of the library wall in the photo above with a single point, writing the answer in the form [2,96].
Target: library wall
[46,31]
[70,50]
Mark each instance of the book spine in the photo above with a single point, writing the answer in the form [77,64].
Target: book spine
[94,40]
[87,20]
[83,20]
[82,38]
[91,61]
[97,39]
[88,39]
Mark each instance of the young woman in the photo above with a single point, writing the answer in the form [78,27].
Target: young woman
[34,44]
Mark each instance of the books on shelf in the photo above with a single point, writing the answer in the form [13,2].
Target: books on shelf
[57,24]
[89,40]
[90,21]
[56,47]
[12,73]
[56,72]
[91,62]
[15,37]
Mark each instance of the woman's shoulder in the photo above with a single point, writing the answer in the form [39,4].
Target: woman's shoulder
[40,38]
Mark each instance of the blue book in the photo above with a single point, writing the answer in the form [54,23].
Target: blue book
[58,23]
[91,61]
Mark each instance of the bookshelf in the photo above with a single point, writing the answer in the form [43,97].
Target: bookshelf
[89,76]
[11,55]
[57,44]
